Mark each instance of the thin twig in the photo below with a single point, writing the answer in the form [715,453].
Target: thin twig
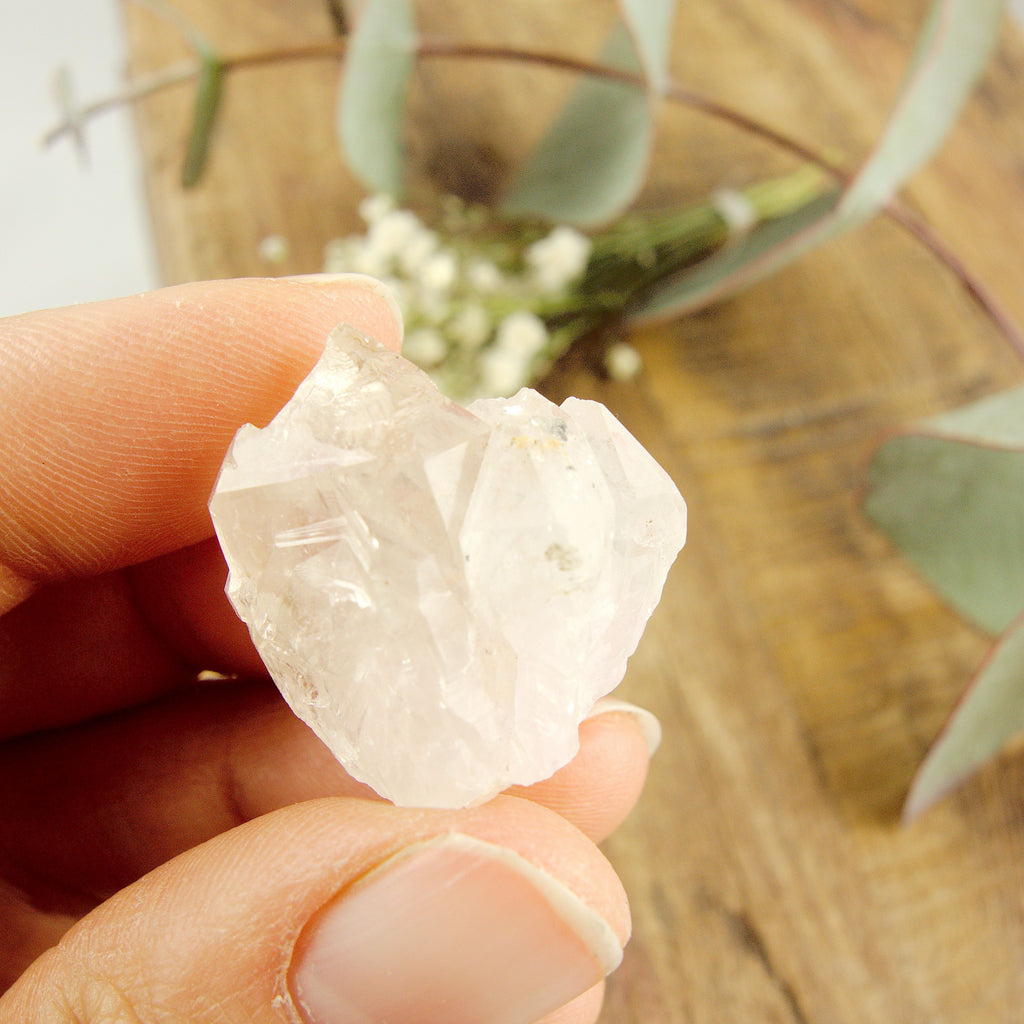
[974,286]
[431,47]
[137,89]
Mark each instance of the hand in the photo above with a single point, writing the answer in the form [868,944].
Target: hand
[174,850]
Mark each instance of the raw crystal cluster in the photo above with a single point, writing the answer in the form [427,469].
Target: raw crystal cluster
[442,593]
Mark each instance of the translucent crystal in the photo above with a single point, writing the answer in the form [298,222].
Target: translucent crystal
[442,593]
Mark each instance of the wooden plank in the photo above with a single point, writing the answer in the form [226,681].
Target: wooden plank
[799,668]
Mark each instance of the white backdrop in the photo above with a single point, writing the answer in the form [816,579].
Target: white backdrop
[69,232]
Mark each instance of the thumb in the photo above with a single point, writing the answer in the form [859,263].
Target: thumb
[347,912]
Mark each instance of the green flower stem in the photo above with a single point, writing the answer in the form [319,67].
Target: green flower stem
[633,255]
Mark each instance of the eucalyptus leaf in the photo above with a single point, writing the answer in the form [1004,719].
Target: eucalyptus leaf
[953,46]
[207,106]
[952,49]
[990,713]
[593,159]
[950,494]
[371,114]
[650,24]
[208,90]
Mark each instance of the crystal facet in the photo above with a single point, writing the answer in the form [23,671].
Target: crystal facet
[442,593]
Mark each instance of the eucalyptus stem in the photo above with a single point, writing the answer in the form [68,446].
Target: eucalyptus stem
[673,91]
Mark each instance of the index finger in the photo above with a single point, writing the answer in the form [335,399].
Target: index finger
[115,416]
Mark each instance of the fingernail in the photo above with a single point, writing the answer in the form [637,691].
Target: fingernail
[359,281]
[647,721]
[453,929]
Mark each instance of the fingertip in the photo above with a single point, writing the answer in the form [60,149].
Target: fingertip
[365,294]
[646,720]
[603,782]
[333,907]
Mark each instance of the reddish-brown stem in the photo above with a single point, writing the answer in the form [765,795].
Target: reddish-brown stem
[428,47]
[974,287]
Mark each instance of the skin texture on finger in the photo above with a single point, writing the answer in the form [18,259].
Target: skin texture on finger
[115,416]
[88,810]
[210,936]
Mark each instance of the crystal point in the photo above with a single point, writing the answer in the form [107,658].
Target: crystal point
[441,593]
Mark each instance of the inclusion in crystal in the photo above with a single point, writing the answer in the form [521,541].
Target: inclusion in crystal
[440,593]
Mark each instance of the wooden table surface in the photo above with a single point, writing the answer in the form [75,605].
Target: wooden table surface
[798,666]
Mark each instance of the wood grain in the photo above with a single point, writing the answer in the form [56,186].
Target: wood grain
[800,669]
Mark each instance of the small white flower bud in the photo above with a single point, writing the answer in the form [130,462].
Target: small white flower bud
[425,347]
[390,234]
[372,208]
[439,271]
[273,249]
[369,259]
[339,254]
[738,212]
[417,252]
[523,333]
[622,361]
[558,260]
[484,276]
[471,326]
[503,372]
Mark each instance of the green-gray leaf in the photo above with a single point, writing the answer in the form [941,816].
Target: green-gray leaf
[593,159]
[650,24]
[207,106]
[990,713]
[371,121]
[952,48]
[950,494]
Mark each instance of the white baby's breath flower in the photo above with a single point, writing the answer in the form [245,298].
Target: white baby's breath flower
[338,254]
[558,260]
[622,361]
[273,249]
[353,255]
[420,248]
[502,371]
[470,327]
[427,305]
[484,276]
[522,333]
[390,234]
[738,212]
[366,258]
[425,347]
[372,208]
[439,271]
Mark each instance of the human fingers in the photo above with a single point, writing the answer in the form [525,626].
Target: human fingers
[115,416]
[344,911]
[602,783]
[123,638]
[88,810]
